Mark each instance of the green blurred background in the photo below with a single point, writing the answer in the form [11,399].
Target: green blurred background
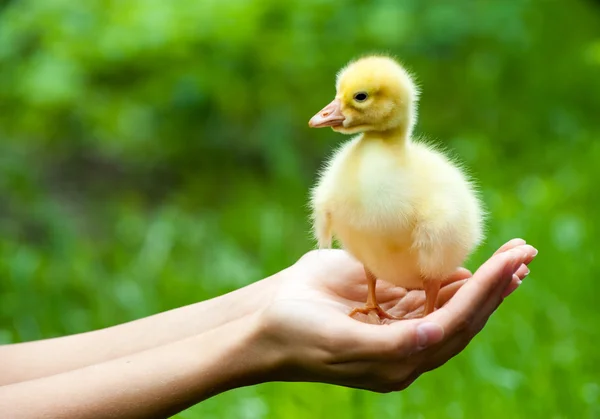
[155,153]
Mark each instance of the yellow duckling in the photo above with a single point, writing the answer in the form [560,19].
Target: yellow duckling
[399,206]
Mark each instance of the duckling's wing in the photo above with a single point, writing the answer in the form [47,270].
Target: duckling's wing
[322,229]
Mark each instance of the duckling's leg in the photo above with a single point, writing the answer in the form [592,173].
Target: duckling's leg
[432,288]
[372,300]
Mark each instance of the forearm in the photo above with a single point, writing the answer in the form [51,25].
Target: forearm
[32,360]
[152,384]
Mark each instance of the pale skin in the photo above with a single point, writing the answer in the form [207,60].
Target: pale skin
[292,326]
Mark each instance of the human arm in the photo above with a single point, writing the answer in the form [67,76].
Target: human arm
[155,383]
[30,360]
[300,333]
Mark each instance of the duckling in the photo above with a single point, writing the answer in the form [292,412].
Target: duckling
[398,205]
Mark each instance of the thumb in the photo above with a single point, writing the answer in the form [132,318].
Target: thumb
[428,333]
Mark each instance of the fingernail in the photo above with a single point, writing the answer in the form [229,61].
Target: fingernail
[526,273]
[535,252]
[519,282]
[429,334]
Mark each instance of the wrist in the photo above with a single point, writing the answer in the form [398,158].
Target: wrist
[246,301]
[247,355]
[269,349]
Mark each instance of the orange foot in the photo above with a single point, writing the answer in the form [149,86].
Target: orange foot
[369,308]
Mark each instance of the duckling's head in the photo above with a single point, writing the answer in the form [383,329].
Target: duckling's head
[373,94]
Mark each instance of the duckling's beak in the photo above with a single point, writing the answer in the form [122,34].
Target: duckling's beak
[329,116]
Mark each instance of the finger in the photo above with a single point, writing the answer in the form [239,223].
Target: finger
[496,299]
[457,280]
[387,292]
[514,284]
[489,280]
[458,275]
[511,244]
[518,277]
[407,304]
[515,261]
[522,272]
[448,292]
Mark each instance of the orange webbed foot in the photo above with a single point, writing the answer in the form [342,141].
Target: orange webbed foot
[369,308]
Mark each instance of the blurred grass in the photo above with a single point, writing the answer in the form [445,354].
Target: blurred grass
[154,154]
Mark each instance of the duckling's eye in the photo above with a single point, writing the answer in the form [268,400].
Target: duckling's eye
[361,97]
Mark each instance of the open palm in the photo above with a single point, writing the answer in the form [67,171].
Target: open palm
[333,281]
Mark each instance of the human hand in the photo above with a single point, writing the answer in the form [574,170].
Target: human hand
[306,326]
